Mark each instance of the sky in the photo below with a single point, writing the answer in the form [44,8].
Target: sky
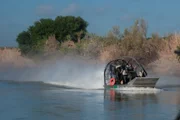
[162,16]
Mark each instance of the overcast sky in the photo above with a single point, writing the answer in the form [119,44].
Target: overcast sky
[162,16]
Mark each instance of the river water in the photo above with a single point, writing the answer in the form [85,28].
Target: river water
[73,90]
[39,101]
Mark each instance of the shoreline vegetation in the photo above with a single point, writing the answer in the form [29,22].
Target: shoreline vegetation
[68,36]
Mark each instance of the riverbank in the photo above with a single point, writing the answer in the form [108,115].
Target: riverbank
[11,56]
[165,64]
[156,53]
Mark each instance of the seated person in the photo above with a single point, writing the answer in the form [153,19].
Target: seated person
[129,67]
[125,76]
[112,71]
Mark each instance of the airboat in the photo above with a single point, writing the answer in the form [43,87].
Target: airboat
[127,72]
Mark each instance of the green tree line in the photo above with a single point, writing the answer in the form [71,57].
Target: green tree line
[63,27]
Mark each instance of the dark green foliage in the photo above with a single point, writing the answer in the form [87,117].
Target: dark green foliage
[69,25]
[25,42]
[62,27]
[177,52]
[43,28]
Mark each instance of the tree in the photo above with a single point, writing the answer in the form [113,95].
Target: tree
[133,39]
[35,37]
[69,25]
[42,29]
[139,29]
[143,27]
[114,33]
[25,42]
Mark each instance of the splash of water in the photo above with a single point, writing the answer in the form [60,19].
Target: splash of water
[65,72]
[85,80]
[73,72]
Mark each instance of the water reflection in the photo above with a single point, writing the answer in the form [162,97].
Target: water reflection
[129,106]
[140,106]
[115,95]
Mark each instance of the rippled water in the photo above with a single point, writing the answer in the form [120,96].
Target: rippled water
[37,101]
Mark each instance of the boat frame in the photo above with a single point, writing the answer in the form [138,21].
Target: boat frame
[136,81]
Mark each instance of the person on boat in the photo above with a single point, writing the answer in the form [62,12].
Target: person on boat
[130,67]
[117,72]
[130,71]
[112,71]
[125,75]
[120,76]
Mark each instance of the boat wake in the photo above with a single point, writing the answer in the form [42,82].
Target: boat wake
[71,73]
[49,84]
[138,90]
